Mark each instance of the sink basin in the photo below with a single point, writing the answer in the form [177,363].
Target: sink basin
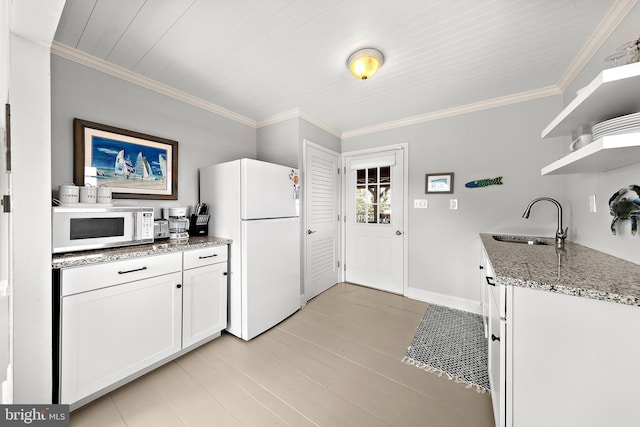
[519,239]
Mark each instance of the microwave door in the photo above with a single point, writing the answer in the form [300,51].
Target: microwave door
[87,230]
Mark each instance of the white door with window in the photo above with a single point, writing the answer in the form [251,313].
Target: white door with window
[374,208]
[321,188]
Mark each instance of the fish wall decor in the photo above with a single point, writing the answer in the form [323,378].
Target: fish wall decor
[484,182]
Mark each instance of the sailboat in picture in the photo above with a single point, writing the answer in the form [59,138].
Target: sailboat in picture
[162,159]
[123,167]
[143,168]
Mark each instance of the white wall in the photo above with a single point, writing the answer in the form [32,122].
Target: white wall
[33,25]
[593,230]
[282,142]
[278,143]
[203,137]
[443,244]
[311,132]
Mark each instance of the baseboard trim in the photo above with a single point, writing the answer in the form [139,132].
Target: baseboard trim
[446,300]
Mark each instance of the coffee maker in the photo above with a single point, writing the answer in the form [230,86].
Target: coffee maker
[178,223]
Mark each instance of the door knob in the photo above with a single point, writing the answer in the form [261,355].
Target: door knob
[398,233]
[311,231]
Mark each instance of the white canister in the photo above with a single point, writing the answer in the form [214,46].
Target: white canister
[104,194]
[68,194]
[88,194]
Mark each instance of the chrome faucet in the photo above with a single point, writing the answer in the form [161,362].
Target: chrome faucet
[560,233]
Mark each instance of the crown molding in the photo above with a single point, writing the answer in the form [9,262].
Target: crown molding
[609,23]
[98,64]
[294,113]
[322,125]
[456,111]
[298,113]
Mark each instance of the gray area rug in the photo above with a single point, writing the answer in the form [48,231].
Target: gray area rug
[452,343]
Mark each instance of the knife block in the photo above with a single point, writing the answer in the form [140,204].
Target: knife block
[199,225]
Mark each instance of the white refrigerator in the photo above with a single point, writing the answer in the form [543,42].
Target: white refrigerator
[256,204]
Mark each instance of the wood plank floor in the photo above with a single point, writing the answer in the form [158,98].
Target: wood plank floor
[336,362]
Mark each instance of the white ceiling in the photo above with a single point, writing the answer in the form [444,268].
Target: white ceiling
[258,59]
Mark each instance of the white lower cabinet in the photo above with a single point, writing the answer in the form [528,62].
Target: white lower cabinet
[204,294]
[111,333]
[557,360]
[120,319]
[573,361]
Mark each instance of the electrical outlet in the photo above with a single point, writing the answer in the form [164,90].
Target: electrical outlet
[421,203]
[453,203]
[592,203]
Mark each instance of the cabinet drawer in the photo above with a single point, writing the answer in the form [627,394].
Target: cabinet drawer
[205,256]
[87,278]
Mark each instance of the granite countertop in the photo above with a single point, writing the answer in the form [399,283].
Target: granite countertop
[75,259]
[575,270]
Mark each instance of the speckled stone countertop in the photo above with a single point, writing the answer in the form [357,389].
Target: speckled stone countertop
[575,270]
[75,259]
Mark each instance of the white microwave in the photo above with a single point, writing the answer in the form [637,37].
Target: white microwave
[79,228]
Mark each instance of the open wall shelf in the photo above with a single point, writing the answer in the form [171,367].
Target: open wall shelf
[613,93]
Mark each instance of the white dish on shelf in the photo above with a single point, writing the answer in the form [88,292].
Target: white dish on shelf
[633,129]
[626,123]
[617,121]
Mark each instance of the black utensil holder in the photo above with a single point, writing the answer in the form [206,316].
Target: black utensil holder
[199,225]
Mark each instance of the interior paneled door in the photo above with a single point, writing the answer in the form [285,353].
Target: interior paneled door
[375,220]
[321,188]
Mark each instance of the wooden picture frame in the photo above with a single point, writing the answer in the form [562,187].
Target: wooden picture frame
[102,155]
[439,183]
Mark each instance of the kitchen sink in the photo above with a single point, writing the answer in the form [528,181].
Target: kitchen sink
[519,239]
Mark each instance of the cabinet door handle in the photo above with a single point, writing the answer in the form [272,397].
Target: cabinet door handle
[208,256]
[482,267]
[225,273]
[489,281]
[494,338]
[132,271]
[178,286]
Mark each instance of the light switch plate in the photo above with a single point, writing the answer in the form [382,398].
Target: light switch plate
[453,203]
[592,203]
[421,203]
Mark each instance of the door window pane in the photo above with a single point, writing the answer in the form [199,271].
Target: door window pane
[385,174]
[373,195]
[372,175]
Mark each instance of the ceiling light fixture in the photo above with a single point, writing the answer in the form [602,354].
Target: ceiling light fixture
[364,63]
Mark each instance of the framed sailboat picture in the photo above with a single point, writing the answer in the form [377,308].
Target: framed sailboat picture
[132,164]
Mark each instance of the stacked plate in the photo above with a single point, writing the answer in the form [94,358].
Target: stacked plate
[622,124]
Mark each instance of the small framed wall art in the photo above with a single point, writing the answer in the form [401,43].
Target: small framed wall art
[439,182]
